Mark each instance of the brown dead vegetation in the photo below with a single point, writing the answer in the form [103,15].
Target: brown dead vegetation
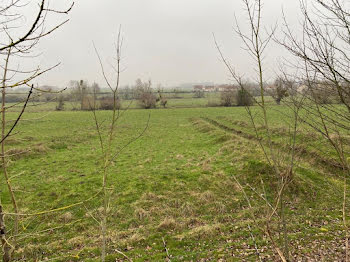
[207,197]
[141,214]
[168,223]
[17,153]
[201,232]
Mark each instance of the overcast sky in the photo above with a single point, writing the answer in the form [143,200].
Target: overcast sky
[168,41]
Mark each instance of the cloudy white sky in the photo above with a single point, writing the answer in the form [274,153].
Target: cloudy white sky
[168,41]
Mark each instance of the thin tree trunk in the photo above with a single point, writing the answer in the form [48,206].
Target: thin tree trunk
[3,158]
[284,226]
[5,245]
[344,220]
[104,215]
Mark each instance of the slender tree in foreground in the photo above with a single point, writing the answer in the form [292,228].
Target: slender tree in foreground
[282,164]
[14,48]
[107,136]
[322,56]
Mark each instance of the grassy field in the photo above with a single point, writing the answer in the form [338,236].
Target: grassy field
[174,100]
[185,101]
[174,183]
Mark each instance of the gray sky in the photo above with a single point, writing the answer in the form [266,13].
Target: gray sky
[168,41]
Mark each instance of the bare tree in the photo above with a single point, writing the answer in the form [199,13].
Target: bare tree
[255,42]
[323,57]
[280,90]
[161,97]
[228,97]
[144,94]
[95,88]
[13,48]
[107,136]
[75,94]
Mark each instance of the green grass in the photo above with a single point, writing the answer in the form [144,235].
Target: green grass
[181,100]
[175,182]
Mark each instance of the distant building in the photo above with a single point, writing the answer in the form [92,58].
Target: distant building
[214,88]
[204,88]
[198,88]
[223,88]
[209,88]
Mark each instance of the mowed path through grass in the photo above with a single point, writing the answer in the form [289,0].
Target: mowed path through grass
[175,182]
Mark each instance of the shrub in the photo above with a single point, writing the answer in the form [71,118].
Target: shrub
[147,99]
[281,90]
[107,103]
[60,105]
[322,96]
[228,97]
[243,98]
[163,102]
[144,94]
[88,103]
[198,94]
[162,99]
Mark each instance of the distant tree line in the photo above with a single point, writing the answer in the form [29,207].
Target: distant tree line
[83,96]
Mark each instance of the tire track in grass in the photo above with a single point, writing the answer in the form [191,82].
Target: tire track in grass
[302,152]
[229,129]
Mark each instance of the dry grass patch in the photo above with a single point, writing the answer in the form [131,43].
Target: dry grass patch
[120,234]
[12,141]
[187,209]
[202,126]
[207,197]
[39,148]
[202,232]
[141,214]
[66,217]
[136,238]
[77,242]
[168,223]
[174,203]
[193,222]
[156,210]
[206,166]
[17,153]
[146,161]
[179,157]
[220,207]
[241,123]
[149,196]
[224,138]
[121,238]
